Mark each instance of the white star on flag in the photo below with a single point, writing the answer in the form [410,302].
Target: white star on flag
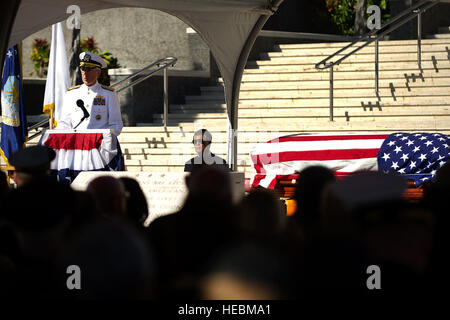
[433,172]
[404,138]
[398,135]
[386,156]
[422,157]
[410,142]
[395,165]
[398,149]
[422,138]
[428,143]
[404,157]
[412,165]
[417,148]
[402,171]
[9,54]
[390,144]
[441,139]
[441,163]
[435,150]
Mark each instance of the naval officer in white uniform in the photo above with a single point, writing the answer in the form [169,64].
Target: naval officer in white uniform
[91,105]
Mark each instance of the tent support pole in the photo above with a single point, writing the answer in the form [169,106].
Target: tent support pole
[232,106]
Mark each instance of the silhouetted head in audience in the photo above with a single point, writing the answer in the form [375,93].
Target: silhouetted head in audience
[109,196]
[209,181]
[369,207]
[436,199]
[114,261]
[308,193]
[261,215]
[136,204]
[247,272]
[341,199]
[31,163]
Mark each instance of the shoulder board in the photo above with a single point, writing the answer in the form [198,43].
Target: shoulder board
[107,88]
[71,88]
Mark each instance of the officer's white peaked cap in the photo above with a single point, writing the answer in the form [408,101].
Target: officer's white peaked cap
[91,60]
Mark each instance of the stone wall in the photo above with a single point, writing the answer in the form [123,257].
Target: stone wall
[135,36]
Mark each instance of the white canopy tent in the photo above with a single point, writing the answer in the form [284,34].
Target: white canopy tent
[229,28]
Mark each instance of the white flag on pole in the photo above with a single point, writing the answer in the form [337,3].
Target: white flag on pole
[58,73]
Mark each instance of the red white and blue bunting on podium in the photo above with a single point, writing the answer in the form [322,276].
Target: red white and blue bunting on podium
[415,156]
[84,150]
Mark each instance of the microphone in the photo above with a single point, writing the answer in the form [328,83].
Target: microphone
[80,104]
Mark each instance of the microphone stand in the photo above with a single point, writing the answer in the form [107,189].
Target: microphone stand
[79,122]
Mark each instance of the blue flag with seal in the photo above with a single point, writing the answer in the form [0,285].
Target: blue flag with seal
[14,132]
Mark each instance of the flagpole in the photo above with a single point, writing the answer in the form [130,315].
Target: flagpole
[51,119]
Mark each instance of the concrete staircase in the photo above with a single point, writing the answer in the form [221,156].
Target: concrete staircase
[283,93]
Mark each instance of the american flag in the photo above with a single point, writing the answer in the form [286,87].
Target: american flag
[285,157]
[415,155]
[407,154]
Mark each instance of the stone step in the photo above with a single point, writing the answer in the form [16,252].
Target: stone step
[347,101]
[394,92]
[214,89]
[412,73]
[444,29]
[383,58]
[161,140]
[324,102]
[369,83]
[185,149]
[438,36]
[134,166]
[319,112]
[213,98]
[352,67]
[339,45]
[303,125]
[369,50]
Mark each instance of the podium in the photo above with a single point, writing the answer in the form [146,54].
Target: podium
[82,150]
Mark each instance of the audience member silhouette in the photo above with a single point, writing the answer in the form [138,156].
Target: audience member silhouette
[136,202]
[308,194]
[109,196]
[186,240]
[31,163]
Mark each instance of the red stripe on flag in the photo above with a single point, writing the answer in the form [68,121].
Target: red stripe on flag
[319,155]
[328,138]
[74,141]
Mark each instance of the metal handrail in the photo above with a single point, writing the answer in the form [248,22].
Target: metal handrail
[37,125]
[374,36]
[160,64]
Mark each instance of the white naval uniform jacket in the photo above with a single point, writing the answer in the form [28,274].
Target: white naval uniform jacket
[100,101]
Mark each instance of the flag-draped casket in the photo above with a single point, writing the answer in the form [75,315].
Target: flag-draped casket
[83,150]
[416,156]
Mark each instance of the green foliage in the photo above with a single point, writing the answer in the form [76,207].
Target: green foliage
[40,55]
[343,13]
[90,45]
